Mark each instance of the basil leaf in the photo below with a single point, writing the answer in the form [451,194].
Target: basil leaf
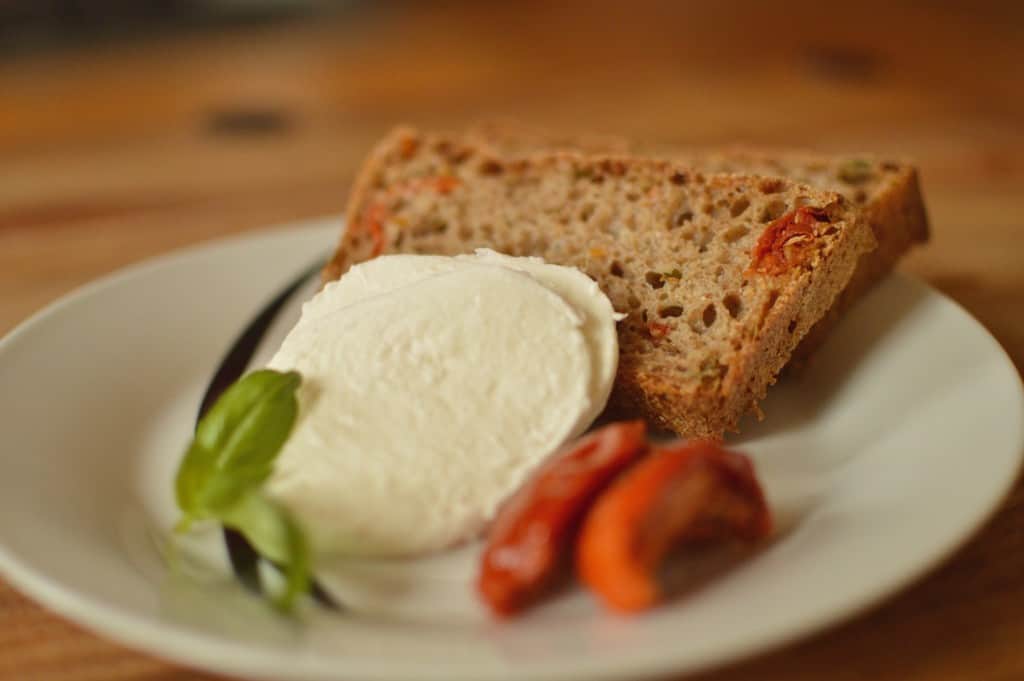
[275,535]
[259,405]
[228,460]
[192,473]
[236,442]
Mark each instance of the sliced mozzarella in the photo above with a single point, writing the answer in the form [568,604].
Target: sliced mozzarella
[422,410]
[390,272]
[380,275]
[590,302]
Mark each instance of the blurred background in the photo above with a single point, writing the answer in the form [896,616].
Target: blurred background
[130,128]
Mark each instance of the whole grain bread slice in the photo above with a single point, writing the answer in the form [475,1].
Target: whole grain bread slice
[886,192]
[721,275]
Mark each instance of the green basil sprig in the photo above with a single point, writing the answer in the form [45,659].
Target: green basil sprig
[231,456]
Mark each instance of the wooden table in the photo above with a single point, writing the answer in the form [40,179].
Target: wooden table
[117,151]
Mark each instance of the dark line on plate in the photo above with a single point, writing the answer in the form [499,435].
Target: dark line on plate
[244,558]
[238,356]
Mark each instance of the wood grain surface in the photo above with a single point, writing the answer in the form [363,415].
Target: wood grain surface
[118,150]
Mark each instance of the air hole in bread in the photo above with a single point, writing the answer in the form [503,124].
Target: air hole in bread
[735,233]
[399,238]
[632,301]
[771,185]
[587,211]
[773,211]
[491,167]
[654,279]
[681,217]
[709,315]
[632,197]
[615,269]
[732,305]
[613,167]
[708,208]
[792,326]
[465,233]
[773,297]
[670,311]
[705,239]
[452,153]
[430,226]
[739,206]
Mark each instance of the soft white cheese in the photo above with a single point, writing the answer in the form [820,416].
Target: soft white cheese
[388,273]
[591,303]
[423,407]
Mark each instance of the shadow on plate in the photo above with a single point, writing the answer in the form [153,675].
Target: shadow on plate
[865,327]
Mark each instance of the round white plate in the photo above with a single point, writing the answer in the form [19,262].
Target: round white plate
[879,461]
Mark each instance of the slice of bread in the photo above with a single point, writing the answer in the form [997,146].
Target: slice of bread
[721,275]
[886,192]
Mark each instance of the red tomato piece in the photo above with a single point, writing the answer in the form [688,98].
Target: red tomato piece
[532,538]
[787,242]
[687,491]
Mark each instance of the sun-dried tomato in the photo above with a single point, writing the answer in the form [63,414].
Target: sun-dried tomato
[787,242]
[680,493]
[658,330]
[533,536]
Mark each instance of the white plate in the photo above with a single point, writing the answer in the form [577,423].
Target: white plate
[880,461]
